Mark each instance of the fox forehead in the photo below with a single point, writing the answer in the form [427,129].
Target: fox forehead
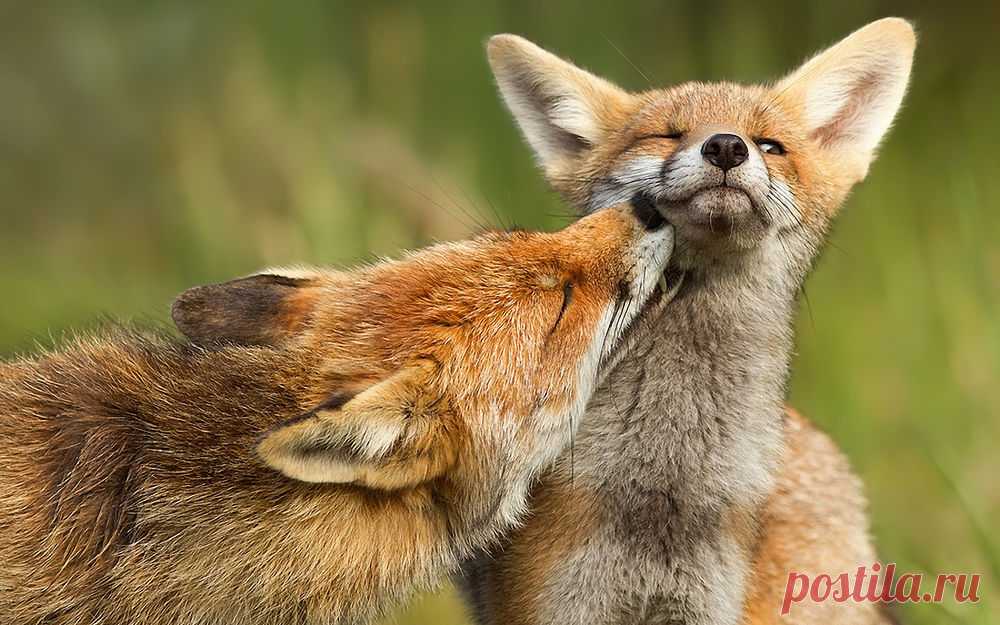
[482,267]
[692,107]
[425,297]
[700,102]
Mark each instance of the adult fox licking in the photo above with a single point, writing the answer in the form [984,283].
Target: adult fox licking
[333,442]
[693,493]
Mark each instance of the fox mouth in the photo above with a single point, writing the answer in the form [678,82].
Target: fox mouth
[666,289]
[720,209]
[718,219]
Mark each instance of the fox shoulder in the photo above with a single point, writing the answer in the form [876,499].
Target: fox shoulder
[815,522]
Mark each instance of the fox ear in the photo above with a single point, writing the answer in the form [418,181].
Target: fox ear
[561,109]
[849,93]
[264,309]
[396,434]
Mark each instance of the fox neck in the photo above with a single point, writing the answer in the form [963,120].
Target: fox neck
[695,414]
[496,489]
[783,259]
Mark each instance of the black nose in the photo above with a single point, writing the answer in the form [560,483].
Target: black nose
[644,209]
[725,151]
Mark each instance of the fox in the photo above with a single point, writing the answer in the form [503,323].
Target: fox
[692,491]
[323,443]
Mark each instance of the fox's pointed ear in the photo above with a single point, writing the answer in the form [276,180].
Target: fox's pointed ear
[264,309]
[396,434]
[561,109]
[849,94]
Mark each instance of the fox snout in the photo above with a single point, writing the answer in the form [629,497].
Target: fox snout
[725,151]
[645,211]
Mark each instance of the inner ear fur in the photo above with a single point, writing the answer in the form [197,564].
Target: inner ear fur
[849,94]
[562,110]
[263,309]
[397,434]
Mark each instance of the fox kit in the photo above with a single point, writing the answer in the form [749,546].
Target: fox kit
[337,441]
[692,493]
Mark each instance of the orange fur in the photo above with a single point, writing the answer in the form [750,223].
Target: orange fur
[146,480]
[814,522]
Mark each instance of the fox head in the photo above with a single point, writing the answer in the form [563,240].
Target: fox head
[461,361]
[734,168]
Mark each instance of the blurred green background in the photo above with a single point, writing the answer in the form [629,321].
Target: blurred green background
[149,146]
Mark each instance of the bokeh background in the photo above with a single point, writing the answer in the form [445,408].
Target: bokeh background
[149,146]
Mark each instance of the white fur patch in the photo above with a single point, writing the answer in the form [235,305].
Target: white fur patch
[555,103]
[373,439]
[864,95]
[642,173]
[317,469]
[852,91]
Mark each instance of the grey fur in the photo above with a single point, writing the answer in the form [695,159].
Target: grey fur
[686,428]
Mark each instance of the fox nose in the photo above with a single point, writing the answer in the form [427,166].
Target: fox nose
[644,209]
[725,151]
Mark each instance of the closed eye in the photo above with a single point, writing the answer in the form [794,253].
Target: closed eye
[567,297]
[673,135]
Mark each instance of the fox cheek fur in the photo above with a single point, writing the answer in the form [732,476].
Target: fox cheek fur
[686,501]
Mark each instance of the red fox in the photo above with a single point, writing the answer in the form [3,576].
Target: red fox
[334,441]
[692,493]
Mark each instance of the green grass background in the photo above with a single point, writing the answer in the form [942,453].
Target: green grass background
[149,146]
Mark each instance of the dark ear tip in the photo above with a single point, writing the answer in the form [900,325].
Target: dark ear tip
[246,311]
[209,313]
[185,310]
[182,306]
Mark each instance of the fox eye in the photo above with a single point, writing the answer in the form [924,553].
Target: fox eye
[770,146]
[567,297]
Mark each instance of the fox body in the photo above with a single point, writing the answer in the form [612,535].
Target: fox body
[330,442]
[692,493]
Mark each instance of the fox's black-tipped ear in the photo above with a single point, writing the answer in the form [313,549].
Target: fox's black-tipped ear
[561,109]
[265,309]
